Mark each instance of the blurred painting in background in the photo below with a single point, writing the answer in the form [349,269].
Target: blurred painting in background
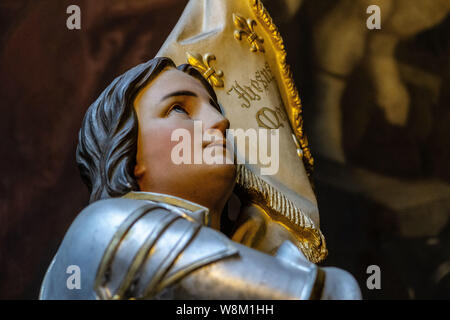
[376,110]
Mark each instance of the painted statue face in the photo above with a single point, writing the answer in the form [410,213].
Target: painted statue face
[175,100]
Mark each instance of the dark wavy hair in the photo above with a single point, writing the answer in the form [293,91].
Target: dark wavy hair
[107,141]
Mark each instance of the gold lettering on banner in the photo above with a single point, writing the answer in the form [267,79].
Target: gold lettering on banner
[257,84]
[281,113]
[242,94]
[270,119]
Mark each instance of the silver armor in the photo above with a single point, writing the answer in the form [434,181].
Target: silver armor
[162,248]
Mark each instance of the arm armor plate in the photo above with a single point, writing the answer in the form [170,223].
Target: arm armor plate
[141,249]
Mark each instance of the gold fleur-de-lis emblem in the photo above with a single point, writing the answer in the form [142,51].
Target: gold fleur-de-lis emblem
[247,28]
[203,64]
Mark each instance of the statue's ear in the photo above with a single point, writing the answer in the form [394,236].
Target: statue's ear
[139,171]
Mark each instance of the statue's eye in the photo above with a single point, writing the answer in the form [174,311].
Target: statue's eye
[178,109]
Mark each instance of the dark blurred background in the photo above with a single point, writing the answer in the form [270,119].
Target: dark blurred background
[376,109]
